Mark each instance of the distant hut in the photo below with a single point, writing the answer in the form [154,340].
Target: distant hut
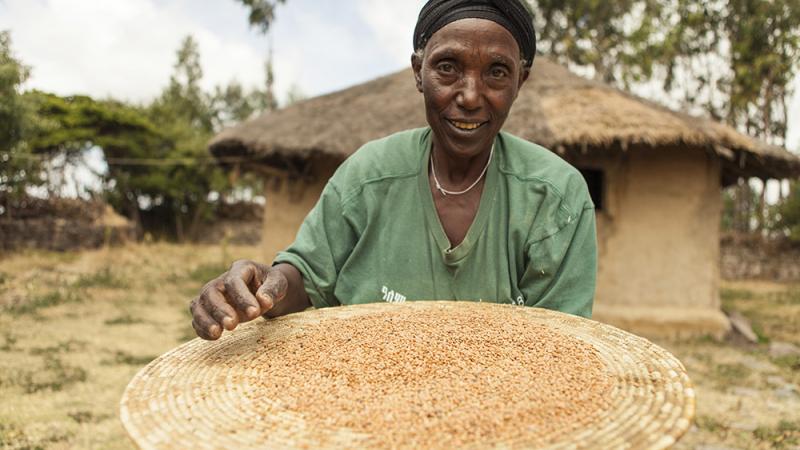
[654,174]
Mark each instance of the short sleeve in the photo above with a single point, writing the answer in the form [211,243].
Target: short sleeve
[561,269]
[323,244]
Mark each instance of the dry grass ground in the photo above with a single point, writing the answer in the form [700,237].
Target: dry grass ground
[75,327]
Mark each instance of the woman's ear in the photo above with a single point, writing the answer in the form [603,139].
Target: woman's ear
[416,64]
[523,76]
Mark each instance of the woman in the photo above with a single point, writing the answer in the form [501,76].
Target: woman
[456,211]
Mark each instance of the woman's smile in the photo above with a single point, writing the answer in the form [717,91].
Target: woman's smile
[466,126]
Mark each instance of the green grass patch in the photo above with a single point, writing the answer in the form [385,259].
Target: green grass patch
[758,329]
[46,300]
[125,319]
[54,376]
[784,435]
[69,346]
[790,297]
[9,342]
[791,362]
[207,272]
[710,424]
[730,295]
[726,375]
[125,358]
[82,417]
[103,278]
[13,436]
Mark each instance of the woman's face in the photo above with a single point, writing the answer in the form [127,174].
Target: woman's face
[470,76]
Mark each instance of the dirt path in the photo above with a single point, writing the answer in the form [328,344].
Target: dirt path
[75,327]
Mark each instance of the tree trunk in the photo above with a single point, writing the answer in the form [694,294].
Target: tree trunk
[194,225]
[744,209]
[179,227]
[762,208]
[135,215]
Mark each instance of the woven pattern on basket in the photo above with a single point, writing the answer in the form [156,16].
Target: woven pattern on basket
[421,374]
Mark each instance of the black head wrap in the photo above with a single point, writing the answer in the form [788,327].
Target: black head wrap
[511,14]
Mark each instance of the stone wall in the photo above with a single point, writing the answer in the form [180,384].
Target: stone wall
[61,225]
[750,257]
[238,224]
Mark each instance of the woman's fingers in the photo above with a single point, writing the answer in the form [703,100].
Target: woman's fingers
[213,302]
[237,296]
[273,290]
[237,292]
[204,325]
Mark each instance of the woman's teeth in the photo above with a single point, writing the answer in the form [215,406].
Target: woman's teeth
[465,125]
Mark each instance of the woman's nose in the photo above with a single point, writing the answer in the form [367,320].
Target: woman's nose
[469,96]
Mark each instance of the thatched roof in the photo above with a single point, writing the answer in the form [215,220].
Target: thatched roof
[556,108]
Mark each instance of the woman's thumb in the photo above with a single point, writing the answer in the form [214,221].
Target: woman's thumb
[272,289]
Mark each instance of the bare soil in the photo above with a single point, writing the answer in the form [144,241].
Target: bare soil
[75,327]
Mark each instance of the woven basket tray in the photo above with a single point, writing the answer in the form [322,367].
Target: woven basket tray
[211,394]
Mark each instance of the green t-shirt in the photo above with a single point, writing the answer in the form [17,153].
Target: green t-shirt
[375,235]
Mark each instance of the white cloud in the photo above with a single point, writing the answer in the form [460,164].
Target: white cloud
[392,22]
[118,48]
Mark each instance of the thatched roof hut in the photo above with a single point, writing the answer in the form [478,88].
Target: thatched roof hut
[654,174]
[556,108]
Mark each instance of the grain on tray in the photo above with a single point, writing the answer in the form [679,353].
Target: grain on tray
[433,378]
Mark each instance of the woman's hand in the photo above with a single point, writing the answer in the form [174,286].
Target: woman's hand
[246,291]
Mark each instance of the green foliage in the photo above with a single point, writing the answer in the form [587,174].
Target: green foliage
[734,59]
[68,126]
[788,214]
[18,168]
[177,193]
[231,105]
[262,12]
[615,38]
[183,101]
[159,170]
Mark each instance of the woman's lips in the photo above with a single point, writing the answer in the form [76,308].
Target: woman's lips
[466,126]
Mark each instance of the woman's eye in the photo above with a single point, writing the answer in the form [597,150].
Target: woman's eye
[446,68]
[499,73]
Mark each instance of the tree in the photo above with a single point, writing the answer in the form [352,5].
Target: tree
[184,99]
[756,45]
[176,192]
[262,12]
[614,38]
[230,105]
[731,59]
[736,60]
[19,169]
[788,214]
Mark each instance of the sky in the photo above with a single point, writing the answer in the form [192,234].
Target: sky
[126,48]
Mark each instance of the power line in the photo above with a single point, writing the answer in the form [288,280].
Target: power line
[145,162]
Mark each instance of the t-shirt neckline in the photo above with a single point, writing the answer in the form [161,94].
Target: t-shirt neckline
[452,256]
